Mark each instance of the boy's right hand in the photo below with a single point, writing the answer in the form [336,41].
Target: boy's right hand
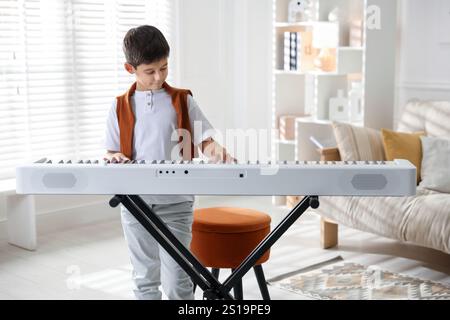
[116,157]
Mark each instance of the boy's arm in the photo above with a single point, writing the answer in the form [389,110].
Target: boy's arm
[215,152]
[115,156]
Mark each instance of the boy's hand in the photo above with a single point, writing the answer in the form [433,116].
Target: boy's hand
[216,153]
[116,157]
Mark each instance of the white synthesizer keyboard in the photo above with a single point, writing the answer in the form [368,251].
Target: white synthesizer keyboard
[332,178]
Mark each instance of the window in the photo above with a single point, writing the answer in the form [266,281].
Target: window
[61,65]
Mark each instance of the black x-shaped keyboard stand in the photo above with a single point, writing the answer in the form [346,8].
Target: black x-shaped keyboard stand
[201,276]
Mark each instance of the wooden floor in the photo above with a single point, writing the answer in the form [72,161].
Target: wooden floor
[91,261]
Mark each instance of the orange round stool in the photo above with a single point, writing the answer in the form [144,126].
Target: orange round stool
[223,237]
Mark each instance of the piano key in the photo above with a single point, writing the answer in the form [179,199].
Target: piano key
[142,162]
[61,161]
[96,161]
[88,161]
[49,161]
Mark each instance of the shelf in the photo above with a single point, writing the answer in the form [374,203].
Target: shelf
[315,120]
[286,142]
[297,26]
[289,72]
[350,48]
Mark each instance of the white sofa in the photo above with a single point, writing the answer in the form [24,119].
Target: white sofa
[423,219]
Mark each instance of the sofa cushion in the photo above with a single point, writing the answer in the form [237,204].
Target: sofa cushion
[423,219]
[401,145]
[436,164]
[432,117]
[437,119]
[413,116]
[358,143]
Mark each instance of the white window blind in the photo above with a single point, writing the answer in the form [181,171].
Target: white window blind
[61,65]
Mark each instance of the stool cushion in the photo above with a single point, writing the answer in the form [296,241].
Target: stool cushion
[229,220]
[223,237]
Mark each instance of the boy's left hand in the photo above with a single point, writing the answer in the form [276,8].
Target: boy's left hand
[216,153]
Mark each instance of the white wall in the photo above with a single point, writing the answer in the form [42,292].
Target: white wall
[224,49]
[424,56]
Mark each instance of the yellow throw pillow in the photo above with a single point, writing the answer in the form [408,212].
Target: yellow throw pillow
[402,145]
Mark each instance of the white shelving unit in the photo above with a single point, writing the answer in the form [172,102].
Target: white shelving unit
[306,92]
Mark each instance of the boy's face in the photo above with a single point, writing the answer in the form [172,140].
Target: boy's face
[149,76]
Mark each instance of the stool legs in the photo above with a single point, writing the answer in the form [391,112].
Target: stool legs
[215,272]
[238,291]
[259,273]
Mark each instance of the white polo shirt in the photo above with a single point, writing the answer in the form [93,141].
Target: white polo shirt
[155,132]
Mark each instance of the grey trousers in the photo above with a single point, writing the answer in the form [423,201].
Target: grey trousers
[152,265]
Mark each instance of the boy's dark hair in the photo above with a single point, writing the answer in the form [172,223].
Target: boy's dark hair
[145,44]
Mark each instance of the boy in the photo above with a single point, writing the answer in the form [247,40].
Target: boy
[140,126]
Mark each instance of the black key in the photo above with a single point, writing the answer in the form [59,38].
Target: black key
[49,161]
[80,161]
[142,162]
[61,161]
[70,161]
[96,161]
[88,161]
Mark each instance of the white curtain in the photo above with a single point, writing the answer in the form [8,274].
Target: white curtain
[61,65]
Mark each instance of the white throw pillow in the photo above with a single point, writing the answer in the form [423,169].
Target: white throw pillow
[435,171]
[358,143]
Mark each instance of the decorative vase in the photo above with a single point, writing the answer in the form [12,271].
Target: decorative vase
[339,108]
[355,97]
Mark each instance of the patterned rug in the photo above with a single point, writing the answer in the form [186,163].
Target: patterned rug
[352,281]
